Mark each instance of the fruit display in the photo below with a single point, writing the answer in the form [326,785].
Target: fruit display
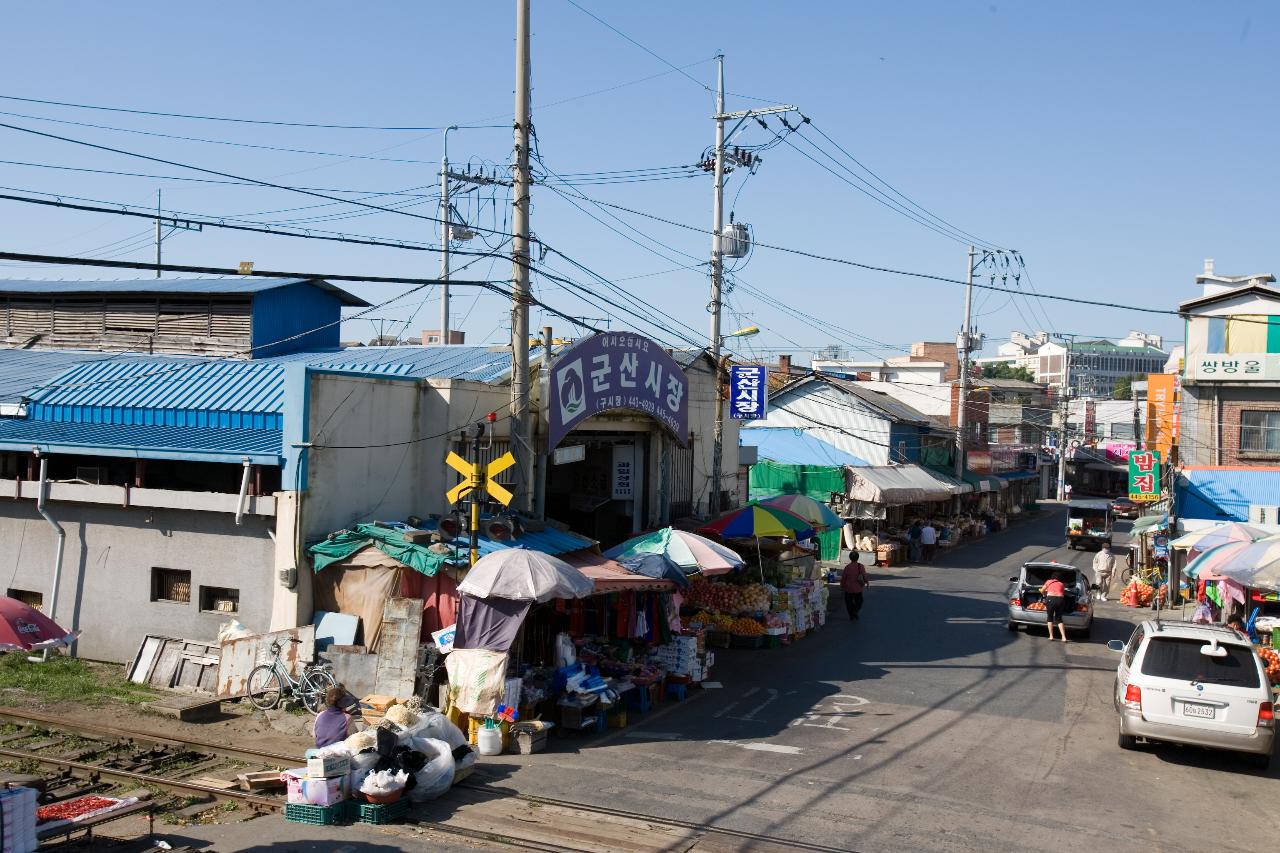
[1137,594]
[711,621]
[744,627]
[72,809]
[727,598]
[1271,658]
[1036,605]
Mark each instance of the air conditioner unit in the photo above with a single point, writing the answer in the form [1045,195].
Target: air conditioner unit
[1264,514]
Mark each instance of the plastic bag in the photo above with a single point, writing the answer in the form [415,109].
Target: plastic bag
[433,724]
[232,630]
[566,654]
[362,764]
[334,750]
[384,782]
[436,777]
[476,680]
[402,716]
[359,741]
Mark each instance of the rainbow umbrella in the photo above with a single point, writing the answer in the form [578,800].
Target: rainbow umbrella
[818,514]
[756,520]
[1211,537]
[689,551]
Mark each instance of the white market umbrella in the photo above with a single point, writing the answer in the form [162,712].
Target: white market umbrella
[519,574]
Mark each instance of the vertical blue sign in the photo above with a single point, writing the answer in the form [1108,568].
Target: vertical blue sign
[748,391]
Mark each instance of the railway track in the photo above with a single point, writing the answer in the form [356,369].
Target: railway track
[90,754]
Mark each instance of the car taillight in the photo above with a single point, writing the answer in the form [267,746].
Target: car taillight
[1133,697]
[1016,602]
[1266,715]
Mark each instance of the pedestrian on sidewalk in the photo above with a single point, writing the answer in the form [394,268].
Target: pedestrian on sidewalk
[914,549]
[854,582]
[929,540]
[1104,566]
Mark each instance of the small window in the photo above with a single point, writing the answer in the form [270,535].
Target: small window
[218,599]
[171,585]
[1122,431]
[27,597]
[1260,431]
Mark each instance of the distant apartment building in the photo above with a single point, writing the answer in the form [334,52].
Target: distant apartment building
[1096,365]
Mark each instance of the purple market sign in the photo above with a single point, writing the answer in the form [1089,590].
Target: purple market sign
[609,372]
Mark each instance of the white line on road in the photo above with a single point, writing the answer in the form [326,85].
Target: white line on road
[727,708]
[762,747]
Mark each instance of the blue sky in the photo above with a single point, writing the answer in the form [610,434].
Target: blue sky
[1115,145]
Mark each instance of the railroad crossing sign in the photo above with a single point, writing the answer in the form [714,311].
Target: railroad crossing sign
[479,476]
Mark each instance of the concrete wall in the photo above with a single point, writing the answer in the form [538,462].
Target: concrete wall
[107,566]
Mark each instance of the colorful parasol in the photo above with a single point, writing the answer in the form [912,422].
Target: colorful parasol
[1200,541]
[1251,564]
[690,552]
[757,520]
[818,514]
[23,628]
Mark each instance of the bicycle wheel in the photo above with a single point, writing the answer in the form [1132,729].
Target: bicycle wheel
[264,687]
[314,685]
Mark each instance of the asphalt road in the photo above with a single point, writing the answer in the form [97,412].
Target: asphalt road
[926,725]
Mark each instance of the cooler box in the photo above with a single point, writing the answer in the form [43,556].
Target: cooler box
[315,792]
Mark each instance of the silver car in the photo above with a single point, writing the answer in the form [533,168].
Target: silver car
[1025,599]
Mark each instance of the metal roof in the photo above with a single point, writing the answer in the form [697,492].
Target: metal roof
[1225,494]
[881,402]
[226,286]
[789,446]
[474,363]
[146,441]
[23,370]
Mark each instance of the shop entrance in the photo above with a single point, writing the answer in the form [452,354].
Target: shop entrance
[600,490]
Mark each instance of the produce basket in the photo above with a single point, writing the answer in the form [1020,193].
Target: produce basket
[739,641]
[318,815]
[380,814]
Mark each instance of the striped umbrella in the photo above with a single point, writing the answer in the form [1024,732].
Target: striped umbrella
[756,520]
[818,514]
[689,551]
[1251,564]
[1201,541]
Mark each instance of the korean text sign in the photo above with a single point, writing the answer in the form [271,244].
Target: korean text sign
[1144,475]
[613,371]
[748,391]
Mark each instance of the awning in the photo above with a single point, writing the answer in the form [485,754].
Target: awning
[1013,476]
[984,482]
[958,487]
[608,576]
[896,485]
[1148,523]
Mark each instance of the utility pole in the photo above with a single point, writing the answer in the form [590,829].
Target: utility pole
[159,238]
[965,342]
[520,440]
[717,282]
[1066,411]
[1137,418]
[445,237]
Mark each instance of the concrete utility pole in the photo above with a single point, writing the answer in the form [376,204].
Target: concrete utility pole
[1066,412]
[965,341]
[717,281]
[159,238]
[520,442]
[444,238]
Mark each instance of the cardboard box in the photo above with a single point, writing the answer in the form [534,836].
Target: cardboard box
[328,766]
[315,792]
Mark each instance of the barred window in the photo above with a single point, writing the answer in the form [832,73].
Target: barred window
[1260,431]
[171,585]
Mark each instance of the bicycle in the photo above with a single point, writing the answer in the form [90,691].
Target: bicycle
[267,682]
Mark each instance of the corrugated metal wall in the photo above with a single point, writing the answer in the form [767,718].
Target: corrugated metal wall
[300,310]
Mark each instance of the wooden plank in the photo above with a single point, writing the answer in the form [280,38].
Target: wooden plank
[398,642]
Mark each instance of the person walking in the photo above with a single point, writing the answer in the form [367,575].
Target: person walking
[1055,602]
[854,582]
[913,542]
[929,540]
[1104,566]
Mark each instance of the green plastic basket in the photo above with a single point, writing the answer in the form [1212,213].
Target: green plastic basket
[379,814]
[316,815]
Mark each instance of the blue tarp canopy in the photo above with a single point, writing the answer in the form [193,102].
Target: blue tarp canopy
[796,447]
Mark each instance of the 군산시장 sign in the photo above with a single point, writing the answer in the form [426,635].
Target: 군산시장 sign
[748,391]
[1144,475]
[611,371]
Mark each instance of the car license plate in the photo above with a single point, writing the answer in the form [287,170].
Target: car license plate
[1190,709]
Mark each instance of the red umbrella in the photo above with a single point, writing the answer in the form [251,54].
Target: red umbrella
[23,628]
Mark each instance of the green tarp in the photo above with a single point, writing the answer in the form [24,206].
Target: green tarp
[770,479]
[347,542]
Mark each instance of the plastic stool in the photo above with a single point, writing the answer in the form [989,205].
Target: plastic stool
[600,723]
[638,699]
[677,690]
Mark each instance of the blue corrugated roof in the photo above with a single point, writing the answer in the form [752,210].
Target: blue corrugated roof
[1224,494]
[475,363]
[174,287]
[796,447]
[23,370]
[143,441]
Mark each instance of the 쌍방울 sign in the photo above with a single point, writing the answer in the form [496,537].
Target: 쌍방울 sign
[1144,475]
[609,372]
[748,391]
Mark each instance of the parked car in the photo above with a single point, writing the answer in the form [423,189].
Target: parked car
[1125,508]
[1024,595]
[1203,685]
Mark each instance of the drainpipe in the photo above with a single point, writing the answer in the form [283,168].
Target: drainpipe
[244,492]
[62,539]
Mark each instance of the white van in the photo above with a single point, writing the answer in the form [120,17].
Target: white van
[1202,685]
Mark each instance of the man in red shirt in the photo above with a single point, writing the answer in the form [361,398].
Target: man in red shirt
[853,582]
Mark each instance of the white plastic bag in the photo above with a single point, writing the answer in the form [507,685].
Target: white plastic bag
[476,680]
[362,764]
[566,654]
[232,630]
[384,782]
[437,776]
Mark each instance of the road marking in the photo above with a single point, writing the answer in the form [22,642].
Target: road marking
[751,715]
[654,735]
[762,747]
[727,708]
[841,705]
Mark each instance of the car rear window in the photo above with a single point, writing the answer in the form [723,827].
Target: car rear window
[1180,659]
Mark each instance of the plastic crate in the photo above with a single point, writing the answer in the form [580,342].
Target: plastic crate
[379,814]
[317,815]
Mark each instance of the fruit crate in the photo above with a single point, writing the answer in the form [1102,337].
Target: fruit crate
[380,814]
[317,815]
[739,641]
